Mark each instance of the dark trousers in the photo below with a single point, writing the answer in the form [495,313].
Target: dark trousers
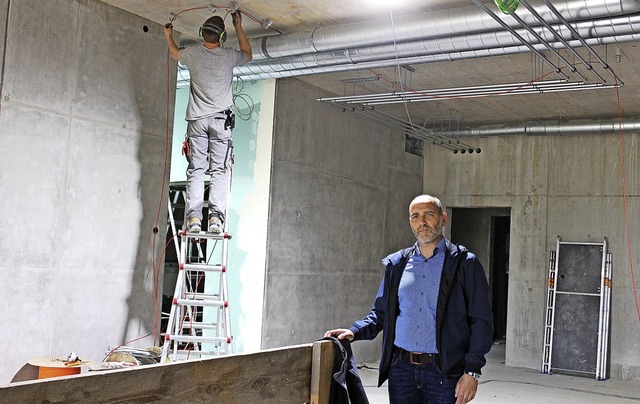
[419,384]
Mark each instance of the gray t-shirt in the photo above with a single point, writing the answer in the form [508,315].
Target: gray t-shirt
[211,72]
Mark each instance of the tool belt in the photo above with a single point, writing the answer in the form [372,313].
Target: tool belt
[230,122]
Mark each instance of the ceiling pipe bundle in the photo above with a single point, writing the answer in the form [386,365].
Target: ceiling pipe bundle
[551,128]
[439,94]
[438,24]
[603,31]
[456,34]
[276,71]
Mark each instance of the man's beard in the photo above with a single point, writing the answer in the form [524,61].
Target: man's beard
[434,234]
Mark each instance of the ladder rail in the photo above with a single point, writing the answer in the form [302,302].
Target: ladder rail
[170,324]
[549,321]
[199,313]
[172,223]
[603,277]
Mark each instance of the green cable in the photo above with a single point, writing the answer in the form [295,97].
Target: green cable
[507,6]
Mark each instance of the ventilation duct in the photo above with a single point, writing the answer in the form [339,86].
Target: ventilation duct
[598,32]
[551,128]
[439,24]
[455,34]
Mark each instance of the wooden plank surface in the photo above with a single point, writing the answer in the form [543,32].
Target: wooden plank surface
[321,372]
[273,376]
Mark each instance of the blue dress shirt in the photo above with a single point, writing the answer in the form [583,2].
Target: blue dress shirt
[418,299]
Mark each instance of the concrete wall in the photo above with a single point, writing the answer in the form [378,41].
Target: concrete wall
[567,186]
[340,190]
[83,137]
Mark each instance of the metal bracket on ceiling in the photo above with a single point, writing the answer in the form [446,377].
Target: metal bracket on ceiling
[266,23]
[359,81]
[234,6]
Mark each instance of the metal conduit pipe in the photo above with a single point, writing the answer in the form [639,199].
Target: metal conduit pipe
[556,34]
[568,25]
[551,128]
[273,71]
[401,126]
[506,26]
[437,95]
[606,27]
[424,26]
[425,135]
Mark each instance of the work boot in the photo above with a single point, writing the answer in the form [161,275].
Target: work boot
[215,224]
[194,225]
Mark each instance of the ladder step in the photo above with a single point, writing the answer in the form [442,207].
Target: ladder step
[204,302]
[204,235]
[201,296]
[204,267]
[200,326]
[195,338]
[195,354]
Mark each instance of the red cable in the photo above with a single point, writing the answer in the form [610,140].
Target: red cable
[622,167]
[254,18]
[155,327]
[624,199]
[460,97]
[156,270]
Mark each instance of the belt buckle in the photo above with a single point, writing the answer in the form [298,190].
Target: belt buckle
[416,355]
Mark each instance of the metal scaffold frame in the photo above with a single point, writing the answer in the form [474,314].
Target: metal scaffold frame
[604,296]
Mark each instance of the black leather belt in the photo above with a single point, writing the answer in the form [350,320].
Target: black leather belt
[418,358]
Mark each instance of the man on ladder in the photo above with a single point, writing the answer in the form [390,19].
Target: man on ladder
[210,117]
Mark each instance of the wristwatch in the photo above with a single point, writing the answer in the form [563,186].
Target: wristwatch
[474,375]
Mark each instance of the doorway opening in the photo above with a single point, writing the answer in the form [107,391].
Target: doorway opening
[485,232]
[500,274]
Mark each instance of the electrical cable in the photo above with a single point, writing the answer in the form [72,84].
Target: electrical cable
[622,164]
[238,88]
[250,106]
[624,198]
[229,10]
[458,147]
[395,49]
[460,97]
[155,230]
[155,303]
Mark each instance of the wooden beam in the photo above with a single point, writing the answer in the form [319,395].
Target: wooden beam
[321,371]
[273,376]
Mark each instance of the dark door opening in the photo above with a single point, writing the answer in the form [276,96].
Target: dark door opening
[500,274]
[485,231]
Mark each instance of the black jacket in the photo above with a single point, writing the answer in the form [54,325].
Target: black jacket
[346,386]
[464,323]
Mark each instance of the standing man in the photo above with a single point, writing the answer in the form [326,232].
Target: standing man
[210,116]
[433,308]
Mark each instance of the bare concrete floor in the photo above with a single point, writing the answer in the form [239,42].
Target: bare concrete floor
[502,384]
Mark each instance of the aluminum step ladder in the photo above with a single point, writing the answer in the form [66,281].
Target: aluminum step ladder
[198,324]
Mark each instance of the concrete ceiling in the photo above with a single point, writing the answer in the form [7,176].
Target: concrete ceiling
[290,16]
